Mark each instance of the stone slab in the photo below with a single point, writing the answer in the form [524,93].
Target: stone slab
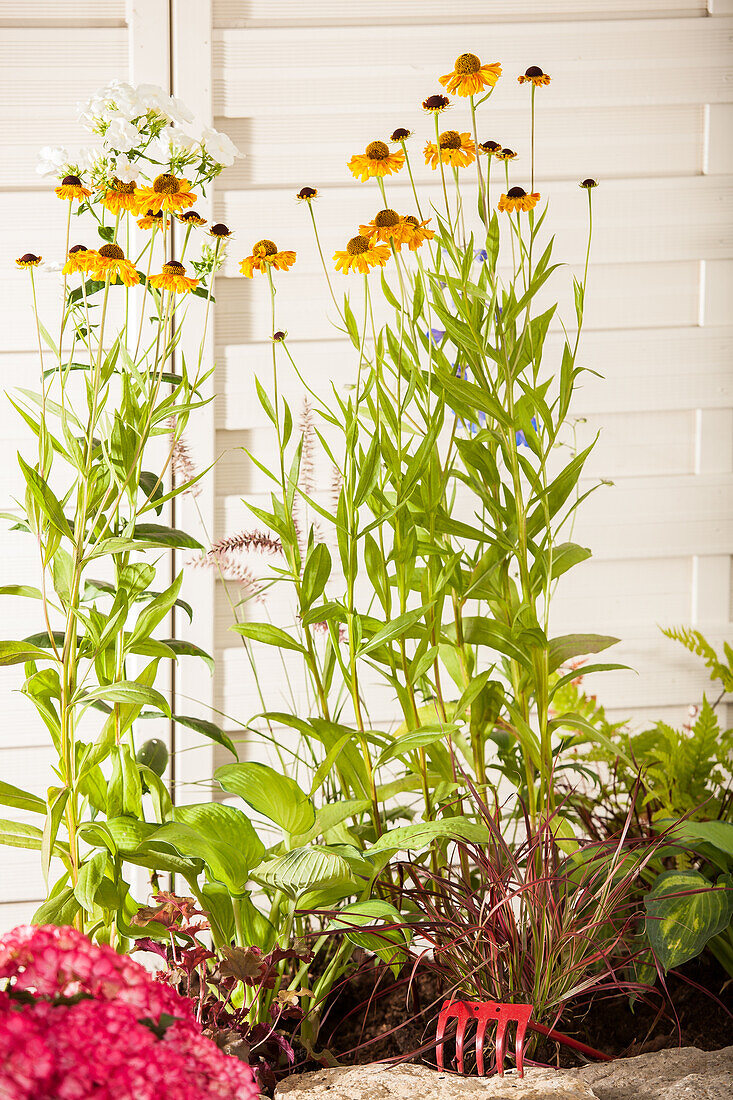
[684,1073]
[408,1082]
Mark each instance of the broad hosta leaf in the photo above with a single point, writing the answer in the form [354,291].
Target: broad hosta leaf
[411,838]
[224,863]
[683,911]
[302,870]
[224,823]
[276,796]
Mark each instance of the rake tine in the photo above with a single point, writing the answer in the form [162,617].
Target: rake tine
[461,1012]
[440,1036]
[481,1027]
[463,1019]
[522,1025]
[501,1029]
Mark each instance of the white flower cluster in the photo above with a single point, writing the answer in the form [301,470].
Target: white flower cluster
[139,124]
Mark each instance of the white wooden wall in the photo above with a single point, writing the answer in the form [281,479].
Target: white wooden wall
[641,98]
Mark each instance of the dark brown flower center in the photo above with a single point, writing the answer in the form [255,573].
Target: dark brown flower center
[112,252]
[166,185]
[357,245]
[400,134]
[123,188]
[71,181]
[450,139]
[386,218]
[516,193]
[508,154]
[154,214]
[78,248]
[412,220]
[307,193]
[377,150]
[534,70]
[265,248]
[589,183]
[489,146]
[279,335]
[219,230]
[436,103]
[29,258]
[467,63]
[191,216]
[173,267]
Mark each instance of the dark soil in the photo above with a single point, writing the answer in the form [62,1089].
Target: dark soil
[364,1024]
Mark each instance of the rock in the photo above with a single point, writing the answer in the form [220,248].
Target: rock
[683,1073]
[408,1082]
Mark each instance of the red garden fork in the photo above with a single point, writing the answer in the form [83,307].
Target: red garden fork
[485,1011]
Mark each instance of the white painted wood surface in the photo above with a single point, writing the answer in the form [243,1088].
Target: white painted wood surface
[641,97]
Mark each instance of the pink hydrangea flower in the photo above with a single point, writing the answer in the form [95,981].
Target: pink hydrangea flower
[79,1021]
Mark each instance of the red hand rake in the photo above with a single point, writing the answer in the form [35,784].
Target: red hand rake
[483,1012]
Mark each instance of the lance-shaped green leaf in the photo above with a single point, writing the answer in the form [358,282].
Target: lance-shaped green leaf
[412,838]
[268,635]
[22,800]
[17,835]
[45,499]
[207,729]
[567,646]
[683,912]
[411,740]
[275,796]
[15,653]
[125,691]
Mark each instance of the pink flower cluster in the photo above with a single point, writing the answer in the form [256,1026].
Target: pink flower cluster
[78,1021]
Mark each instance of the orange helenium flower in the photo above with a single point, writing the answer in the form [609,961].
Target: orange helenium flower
[418,233]
[376,160]
[265,255]
[167,193]
[387,226]
[534,75]
[120,197]
[453,148]
[469,76]
[173,277]
[361,255]
[71,188]
[110,263]
[517,199]
[151,220]
[29,260]
[80,259]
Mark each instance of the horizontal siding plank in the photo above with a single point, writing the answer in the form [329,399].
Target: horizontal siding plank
[623,296]
[308,71]
[89,13]
[56,68]
[636,517]
[571,142]
[292,13]
[687,219]
[643,370]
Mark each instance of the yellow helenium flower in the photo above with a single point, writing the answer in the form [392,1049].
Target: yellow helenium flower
[534,75]
[469,76]
[79,259]
[191,217]
[173,277]
[29,260]
[265,255]
[418,233]
[387,226]
[360,255]
[307,194]
[220,231]
[120,197]
[110,263]
[434,104]
[71,188]
[517,199]
[376,160]
[151,220]
[453,148]
[167,193]
[489,147]
[505,154]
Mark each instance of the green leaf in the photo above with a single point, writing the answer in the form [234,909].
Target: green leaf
[220,823]
[411,838]
[392,630]
[415,739]
[223,861]
[207,729]
[683,911]
[268,635]
[16,835]
[316,572]
[276,796]
[91,875]
[21,590]
[15,653]
[567,646]
[60,909]
[304,869]
[22,800]
[126,691]
[45,499]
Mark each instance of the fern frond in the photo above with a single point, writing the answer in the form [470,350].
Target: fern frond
[698,644]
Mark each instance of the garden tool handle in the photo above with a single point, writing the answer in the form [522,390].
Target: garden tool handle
[568,1042]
